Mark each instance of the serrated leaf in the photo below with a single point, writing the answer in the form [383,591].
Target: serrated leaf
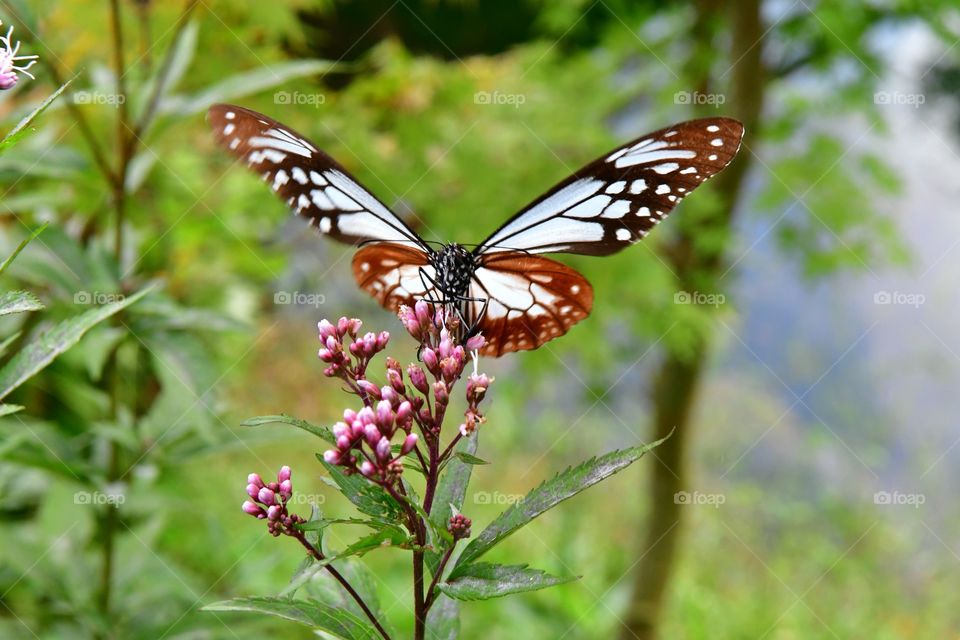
[312,613]
[317,430]
[41,352]
[451,491]
[18,302]
[482,581]
[368,498]
[443,619]
[562,486]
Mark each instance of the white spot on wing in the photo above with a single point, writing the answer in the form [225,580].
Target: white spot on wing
[662,189]
[623,234]
[616,187]
[589,208]
[299,175]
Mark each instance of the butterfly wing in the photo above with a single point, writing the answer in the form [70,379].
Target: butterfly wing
[525,300]
[311,183]
[394,274]
[615,200]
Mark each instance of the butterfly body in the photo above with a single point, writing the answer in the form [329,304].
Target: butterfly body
[503,288]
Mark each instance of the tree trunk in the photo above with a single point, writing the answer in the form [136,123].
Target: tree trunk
[678,377]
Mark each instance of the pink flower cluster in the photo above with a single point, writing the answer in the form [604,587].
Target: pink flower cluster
[365,439]
[268,501]
[9,59]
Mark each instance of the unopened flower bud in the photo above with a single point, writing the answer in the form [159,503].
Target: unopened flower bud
[417,378]
[475,343]
[369,388]
[422,310]
[254,478]
[383,449]
[459,526]
[385,415]
[253,490]
[284,474]
[252,509]
[273,513]
[331,456]
[395,378]
[446,344]
[440,393]
[286,489]
[408,444]
[404,415]
[430,360]
[382,339]
[344,443]
[388,394]
[266,496]
[326,330]
[367,469]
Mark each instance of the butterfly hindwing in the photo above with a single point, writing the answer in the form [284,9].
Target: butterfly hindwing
[529,300]
[311,183]
[614,201]
[394,274]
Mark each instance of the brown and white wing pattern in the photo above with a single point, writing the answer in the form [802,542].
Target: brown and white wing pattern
[394,274]
[311,183]
[614,201]
[529,300]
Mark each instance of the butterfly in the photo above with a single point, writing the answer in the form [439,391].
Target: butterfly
[503,288]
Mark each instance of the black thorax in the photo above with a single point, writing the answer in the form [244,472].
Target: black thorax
[454,266]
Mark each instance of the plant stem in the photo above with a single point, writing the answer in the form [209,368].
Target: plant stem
[119,185]
[319,557]
[438,575]
[419,606]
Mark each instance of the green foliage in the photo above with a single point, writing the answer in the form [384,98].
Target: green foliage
[309,612]
[482,581]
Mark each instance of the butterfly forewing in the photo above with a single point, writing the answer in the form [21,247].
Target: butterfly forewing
[311,183]
[615,200]
[524,300]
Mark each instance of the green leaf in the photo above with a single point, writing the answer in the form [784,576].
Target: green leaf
[18,131]
[368,498]
[20,247]
[312,613]
[18,302]
[482,581]
[321,432]
[443,619]
[7,409]
[562,486]
[469,459]
[244,84]
[451,491]
[38,354]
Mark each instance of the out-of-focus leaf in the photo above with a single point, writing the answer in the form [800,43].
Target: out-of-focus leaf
[20,247]
[482,581]
[7,409]
[18,302]
[450,493]
[247,83]
[309,612]
[18,131]
[317,430]
[37,355]
[562,486]
[466,458]
[443,619]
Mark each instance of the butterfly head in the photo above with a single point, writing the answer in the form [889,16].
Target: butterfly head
[455,266]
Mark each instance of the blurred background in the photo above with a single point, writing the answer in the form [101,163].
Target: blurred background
[793,323]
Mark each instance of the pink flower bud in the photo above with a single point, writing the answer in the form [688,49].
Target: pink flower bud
[367,469]
[254,478]
[395,378]
[252,509]
[273,513]
[326,330]
[383,449]
[349,415]
[366,415]
[382,339]
[266,496]
[388,394]
[417,378]
[404,415]
[253,490]
[409,320]
[475,343]
[343,324]
[344,443]
[430,361]
[340,429]
[357,349]
[353,326]
[369,388]
[385,415]
[331,456]
[422,310]
[372,434]
[286,489]
[449,369]
[408,444]
[440,393]
[284,474]
[356,429]
[446,344]
[326,355]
